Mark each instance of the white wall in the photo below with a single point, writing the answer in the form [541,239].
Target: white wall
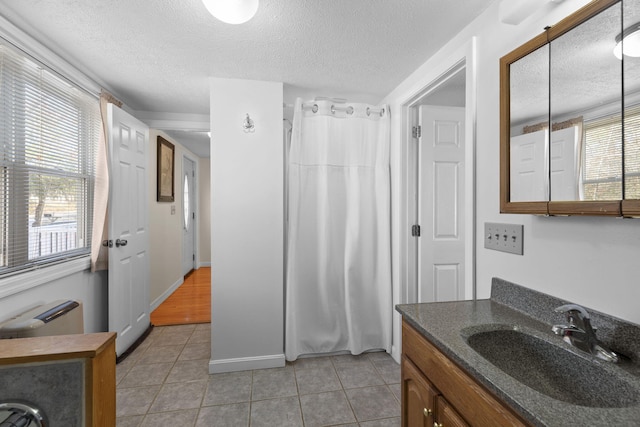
[246,226]
[204,208]
[90,288]
[591,261]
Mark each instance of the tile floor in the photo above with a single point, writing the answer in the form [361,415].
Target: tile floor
[166,382]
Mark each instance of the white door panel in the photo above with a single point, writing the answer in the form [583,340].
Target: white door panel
[528,164]
[447,282]
[128,221]
[565,149]
[441,250]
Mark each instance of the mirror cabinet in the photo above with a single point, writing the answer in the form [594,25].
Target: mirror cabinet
[570,116]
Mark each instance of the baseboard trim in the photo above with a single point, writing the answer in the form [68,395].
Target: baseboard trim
[203,264]
[395,353]
[166,294]
[246,363]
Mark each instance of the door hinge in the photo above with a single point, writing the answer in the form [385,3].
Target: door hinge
[417,131]
[415,230]
[193,215]
[194,257]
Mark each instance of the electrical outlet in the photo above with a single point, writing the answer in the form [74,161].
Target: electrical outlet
[503,237]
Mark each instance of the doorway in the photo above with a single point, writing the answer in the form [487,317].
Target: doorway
[440,258]
[188,215]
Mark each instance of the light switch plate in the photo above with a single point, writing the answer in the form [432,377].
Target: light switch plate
[503,237]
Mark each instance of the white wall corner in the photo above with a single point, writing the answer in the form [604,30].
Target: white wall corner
[247,225]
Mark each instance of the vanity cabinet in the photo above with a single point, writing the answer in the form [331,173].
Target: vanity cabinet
[447,416]
[423,405]
[438,393]
[418,397]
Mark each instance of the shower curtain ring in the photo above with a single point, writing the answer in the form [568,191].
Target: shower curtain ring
[314,108]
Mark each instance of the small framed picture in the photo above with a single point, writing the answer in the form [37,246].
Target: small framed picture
[165,173]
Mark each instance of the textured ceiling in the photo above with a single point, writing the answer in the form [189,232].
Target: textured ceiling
[584,73]
[157,55]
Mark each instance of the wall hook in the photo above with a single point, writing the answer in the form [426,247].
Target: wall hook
[248,125]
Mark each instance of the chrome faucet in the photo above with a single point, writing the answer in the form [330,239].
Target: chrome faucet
[579,332]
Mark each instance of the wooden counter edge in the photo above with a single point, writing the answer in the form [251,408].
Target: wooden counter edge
[100,386]
[51,348]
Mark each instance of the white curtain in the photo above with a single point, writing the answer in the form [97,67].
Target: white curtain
[338,294]
[100,229]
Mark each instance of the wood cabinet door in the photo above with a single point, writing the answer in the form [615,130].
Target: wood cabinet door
[447,415]
[418,397]
[468,397]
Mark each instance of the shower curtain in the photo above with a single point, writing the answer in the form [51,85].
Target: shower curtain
[338,291]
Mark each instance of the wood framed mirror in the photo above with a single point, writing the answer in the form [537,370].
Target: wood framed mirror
[570,117]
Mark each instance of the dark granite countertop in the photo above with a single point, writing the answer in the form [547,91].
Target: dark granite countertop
[512,307]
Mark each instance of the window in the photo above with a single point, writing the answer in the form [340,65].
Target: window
[632,152]
[602,170]
[49,131]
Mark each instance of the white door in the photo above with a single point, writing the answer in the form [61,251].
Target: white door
[529,167]
[441,205]
[565,150]
[188,215]
[128,228]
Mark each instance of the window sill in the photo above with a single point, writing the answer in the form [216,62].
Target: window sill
[31,279]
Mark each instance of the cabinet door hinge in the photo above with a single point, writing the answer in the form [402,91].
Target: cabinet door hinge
[415,230]
[417,131]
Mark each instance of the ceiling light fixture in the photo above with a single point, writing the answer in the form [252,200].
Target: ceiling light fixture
[629,41]
[232,11]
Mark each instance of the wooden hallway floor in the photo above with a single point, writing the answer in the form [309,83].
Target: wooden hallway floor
[190,303]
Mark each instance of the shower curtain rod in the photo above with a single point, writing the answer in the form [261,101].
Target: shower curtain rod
[320,98]
[342,107]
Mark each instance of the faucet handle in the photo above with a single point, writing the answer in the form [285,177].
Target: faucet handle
[568,308]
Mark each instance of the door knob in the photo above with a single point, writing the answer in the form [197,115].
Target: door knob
[120,243]
[107,243]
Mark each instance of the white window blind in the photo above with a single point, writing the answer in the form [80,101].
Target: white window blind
[602,168]
[632,152]
[49,131]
